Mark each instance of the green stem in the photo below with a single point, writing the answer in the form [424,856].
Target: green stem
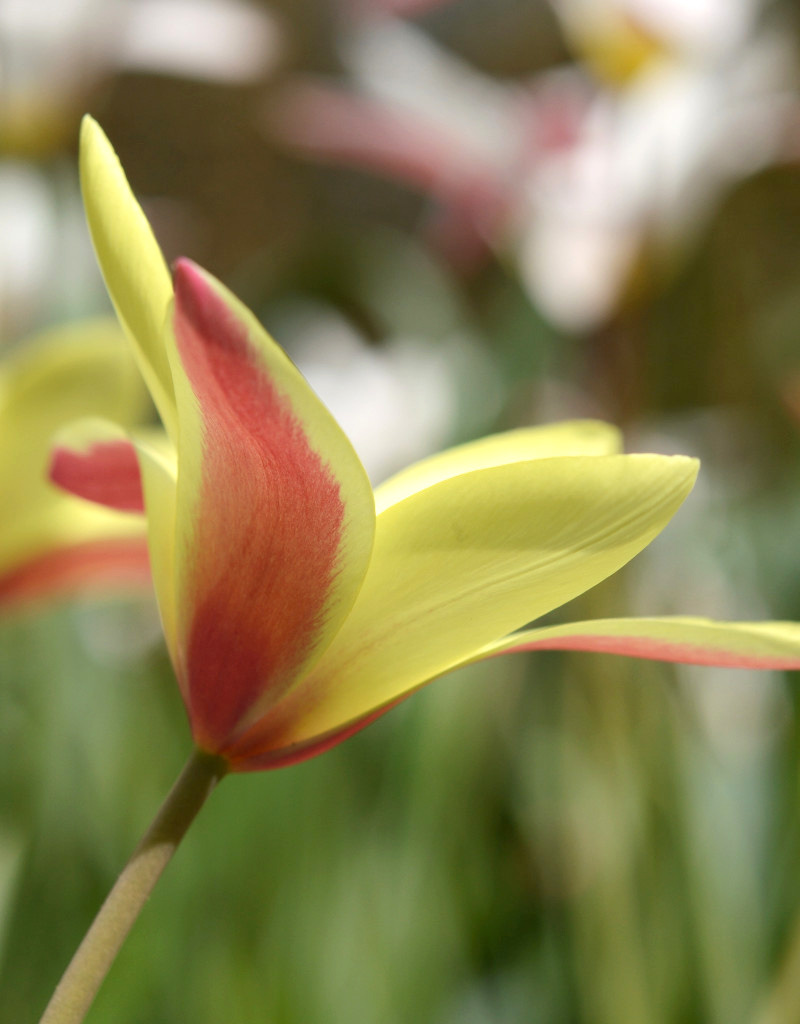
[93,958]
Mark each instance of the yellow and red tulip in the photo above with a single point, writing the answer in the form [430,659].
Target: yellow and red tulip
[298,606]
[51,543]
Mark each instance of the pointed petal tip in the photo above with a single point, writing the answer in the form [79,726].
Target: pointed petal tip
[91,137]
[131,262]
[688,463]
[189,280]
[88,125]
[691,467]
[184,271]
[682,470]
[194,294]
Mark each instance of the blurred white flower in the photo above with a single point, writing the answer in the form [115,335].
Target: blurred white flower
[652,158]
[227,41]
[46,262]
[570,174]
[397,401]
[26,216]
[52,53]
[692,26]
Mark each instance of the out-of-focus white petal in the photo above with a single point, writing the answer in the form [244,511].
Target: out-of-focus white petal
[707,26]
[649,162]
[397,402]
[218,40]
[399,64]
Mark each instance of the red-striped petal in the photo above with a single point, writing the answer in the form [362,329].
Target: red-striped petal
[262,515]
[690,641]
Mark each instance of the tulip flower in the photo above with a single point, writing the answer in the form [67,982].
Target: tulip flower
[296,604]
[292,611]
[50,543]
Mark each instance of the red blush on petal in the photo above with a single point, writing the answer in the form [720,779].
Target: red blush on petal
[107,473]
[93,567]
[658,650]
[267,523]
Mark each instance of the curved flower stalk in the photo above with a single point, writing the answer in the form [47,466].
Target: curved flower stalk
[297,605]
[51,543]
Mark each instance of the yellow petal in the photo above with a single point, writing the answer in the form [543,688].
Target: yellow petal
[65,373]
[474,557]
[136,276]
[159,480]
[571,437]
[101,462]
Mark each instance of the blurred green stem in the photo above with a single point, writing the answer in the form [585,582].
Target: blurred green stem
[93,958]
